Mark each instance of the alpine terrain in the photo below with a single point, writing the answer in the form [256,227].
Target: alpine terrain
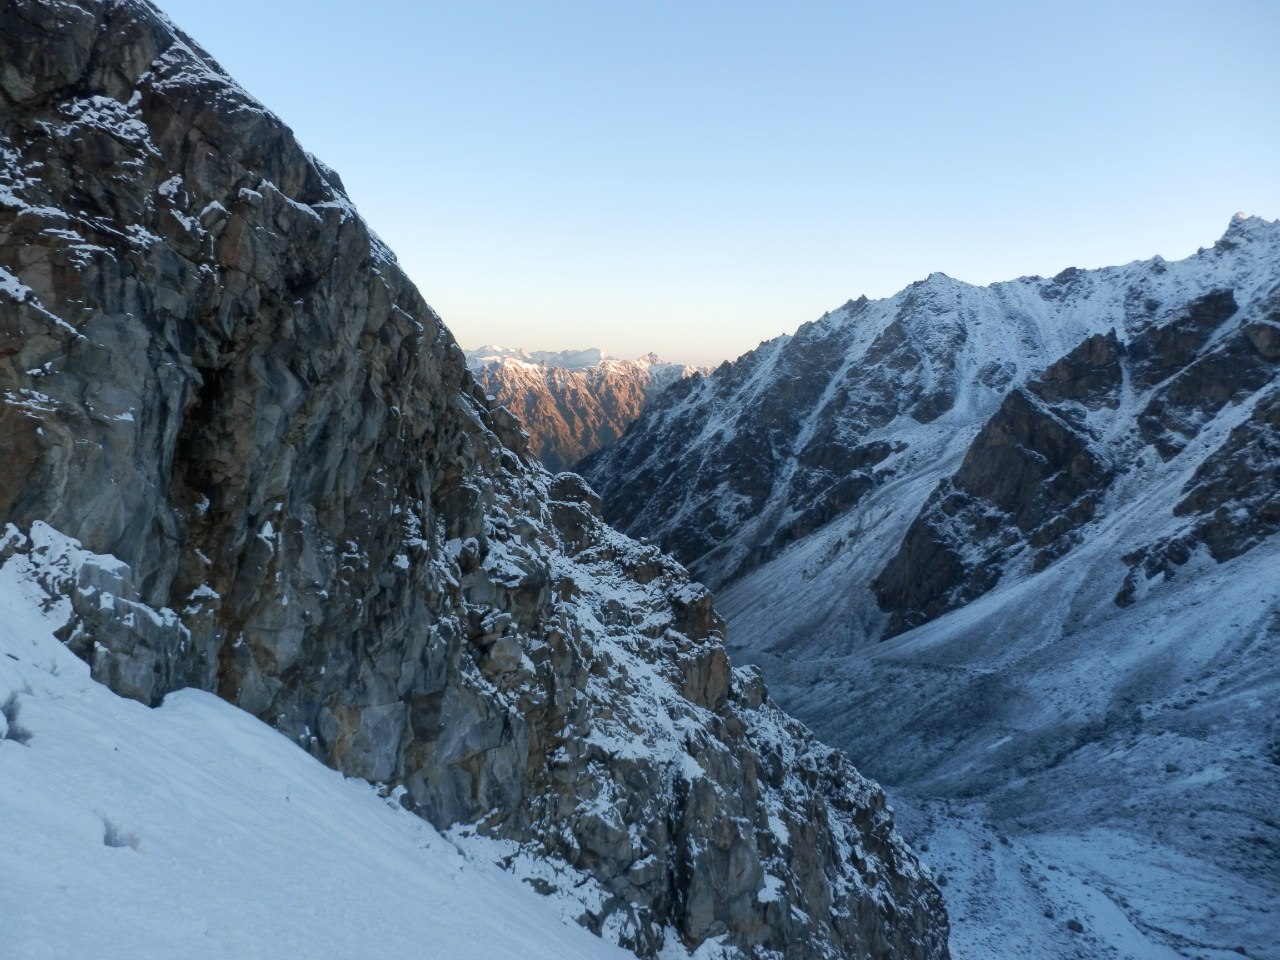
[242,457]
[1015,548]
[572,402]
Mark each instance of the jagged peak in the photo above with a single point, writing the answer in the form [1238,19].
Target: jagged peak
[569,359]
[1246,228]
[572,360]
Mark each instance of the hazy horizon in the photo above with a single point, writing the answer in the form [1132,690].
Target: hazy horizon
[693,179]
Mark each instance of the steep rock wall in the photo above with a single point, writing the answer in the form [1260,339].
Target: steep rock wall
[213,372]
[570,412]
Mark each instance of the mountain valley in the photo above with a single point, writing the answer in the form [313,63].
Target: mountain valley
[1015,549]
[312,646]
[244,458]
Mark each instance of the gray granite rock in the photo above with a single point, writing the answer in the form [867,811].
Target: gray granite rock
[214,373]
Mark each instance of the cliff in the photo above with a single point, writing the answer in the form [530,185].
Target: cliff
[287,489]
[572,403]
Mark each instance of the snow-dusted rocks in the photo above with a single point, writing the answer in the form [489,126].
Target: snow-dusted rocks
[573,402]
[1039,472]
[241,454]
[195,830]
[1031,530]
[1034,391]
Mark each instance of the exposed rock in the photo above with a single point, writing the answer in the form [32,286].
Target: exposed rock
[1233,501]
[934,445]
[712,472]
[1036,473]
[1029,479]
[1195,386]
[574,402]
[1089,374]
[1166,348]
[213,373]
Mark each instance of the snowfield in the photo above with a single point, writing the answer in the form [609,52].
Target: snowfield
[196,831]
[1093,780]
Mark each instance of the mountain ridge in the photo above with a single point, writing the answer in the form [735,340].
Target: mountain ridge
[244,456]
[844,375]
[572,402]
[1030,529]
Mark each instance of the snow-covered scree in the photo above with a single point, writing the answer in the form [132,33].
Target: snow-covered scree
[294,495]
[836,435]
[194,830]
[572,402]
[1057,758]
[1059,500]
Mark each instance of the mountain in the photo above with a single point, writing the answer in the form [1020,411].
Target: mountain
[573,402]
[195,830]
[242,456]
[1030,530]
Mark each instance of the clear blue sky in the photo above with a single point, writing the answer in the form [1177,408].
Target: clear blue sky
[694,177]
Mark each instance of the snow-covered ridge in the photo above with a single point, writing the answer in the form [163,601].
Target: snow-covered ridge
[575,360]
[1032,531]
[769,448]
[568,359]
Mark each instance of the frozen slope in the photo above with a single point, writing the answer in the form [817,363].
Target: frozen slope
[196,831]
[1127,757]
[1059,501]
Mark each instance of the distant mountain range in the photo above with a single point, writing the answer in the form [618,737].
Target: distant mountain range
[572,402]
[1015,547]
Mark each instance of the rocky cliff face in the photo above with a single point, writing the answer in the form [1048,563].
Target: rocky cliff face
[962,426]
[572,403]
[214,373]
[1032,530]
[1041,470]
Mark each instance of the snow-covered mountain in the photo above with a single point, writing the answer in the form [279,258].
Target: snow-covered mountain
[195,830]
[1015,548]
[573,402]
[240,455]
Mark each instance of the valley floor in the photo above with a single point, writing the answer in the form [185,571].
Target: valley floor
[1092,781]
[1102,893]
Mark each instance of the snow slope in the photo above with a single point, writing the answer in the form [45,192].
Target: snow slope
[196,831]
[1083,735]
[1129,757]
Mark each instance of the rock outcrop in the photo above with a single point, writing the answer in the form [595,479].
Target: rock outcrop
[572,403]
[1057,598]
[1041,468]
[214,373]
[960,434]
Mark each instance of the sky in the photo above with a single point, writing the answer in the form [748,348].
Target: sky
[694,177]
